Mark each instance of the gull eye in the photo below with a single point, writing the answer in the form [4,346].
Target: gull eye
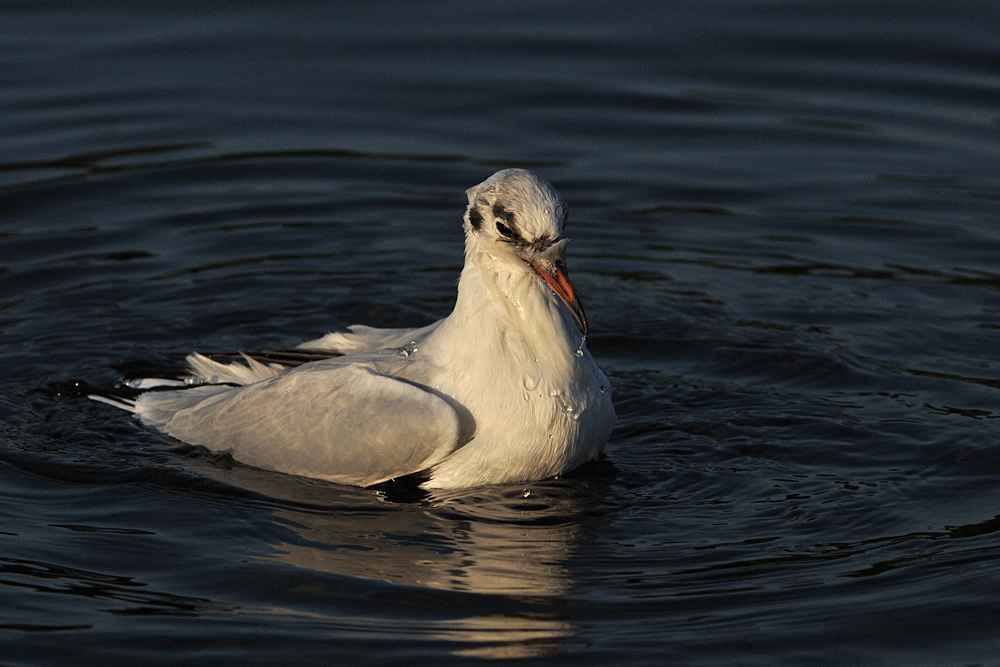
[505,230]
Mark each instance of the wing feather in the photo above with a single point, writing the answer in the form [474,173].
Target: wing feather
[360,338]
[344,422]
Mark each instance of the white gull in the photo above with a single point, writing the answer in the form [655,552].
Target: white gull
[502,390]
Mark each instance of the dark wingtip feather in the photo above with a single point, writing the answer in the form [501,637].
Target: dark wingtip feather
[288,357]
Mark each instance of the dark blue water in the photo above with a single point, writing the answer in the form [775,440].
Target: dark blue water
[785,229]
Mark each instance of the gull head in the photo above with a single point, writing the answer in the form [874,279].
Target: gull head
[516,218]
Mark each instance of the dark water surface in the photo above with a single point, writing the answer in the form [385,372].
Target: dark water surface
[785,223]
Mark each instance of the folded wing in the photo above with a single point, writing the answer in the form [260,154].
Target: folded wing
[344,422]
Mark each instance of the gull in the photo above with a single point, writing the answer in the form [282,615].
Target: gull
[502,390]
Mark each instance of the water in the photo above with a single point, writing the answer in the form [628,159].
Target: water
[784,223]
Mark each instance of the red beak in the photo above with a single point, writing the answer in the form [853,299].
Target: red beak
[560,284]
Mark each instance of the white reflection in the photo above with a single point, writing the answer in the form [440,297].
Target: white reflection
[507,541]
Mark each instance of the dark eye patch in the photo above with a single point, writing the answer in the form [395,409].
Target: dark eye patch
[506,231]
[508,225]
[475,218]
[500,212]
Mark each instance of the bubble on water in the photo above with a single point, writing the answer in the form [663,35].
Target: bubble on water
[525,493]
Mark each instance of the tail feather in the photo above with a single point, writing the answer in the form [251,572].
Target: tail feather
[115,401]
[214,372]
[203,374]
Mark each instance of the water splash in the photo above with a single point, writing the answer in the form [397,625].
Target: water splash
[569,411]
[408,349]
[532,375]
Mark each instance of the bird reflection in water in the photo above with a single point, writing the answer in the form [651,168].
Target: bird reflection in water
[507,545]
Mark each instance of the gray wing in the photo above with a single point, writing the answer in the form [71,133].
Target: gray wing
[343,422]
[360,338]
